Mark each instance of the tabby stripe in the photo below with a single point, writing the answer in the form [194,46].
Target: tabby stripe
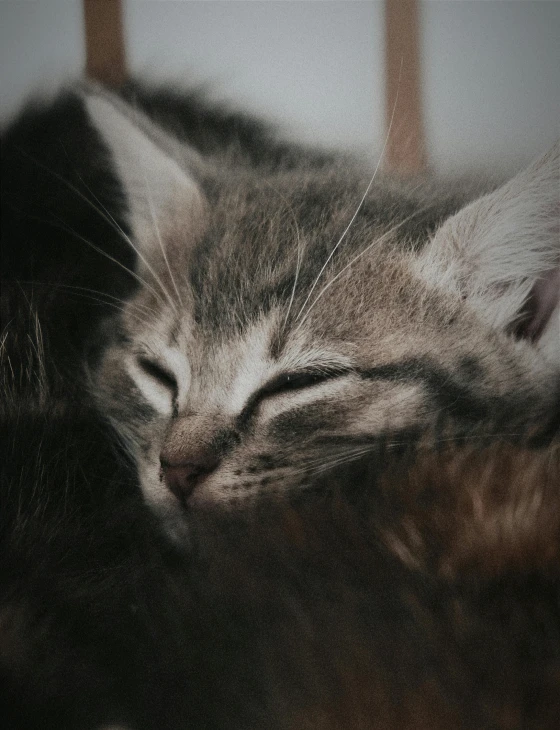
[449,395]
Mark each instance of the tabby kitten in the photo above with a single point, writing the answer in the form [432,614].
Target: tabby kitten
[292,314]
[405,589]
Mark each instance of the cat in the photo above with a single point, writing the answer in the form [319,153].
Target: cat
[290,315]
[391,559]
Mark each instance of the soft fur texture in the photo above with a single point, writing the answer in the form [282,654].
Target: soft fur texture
[393,561]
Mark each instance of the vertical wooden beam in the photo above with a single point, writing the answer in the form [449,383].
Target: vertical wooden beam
[104,40]
[406,146]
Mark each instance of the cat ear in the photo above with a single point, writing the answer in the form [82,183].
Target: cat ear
[501,253]
[160,193]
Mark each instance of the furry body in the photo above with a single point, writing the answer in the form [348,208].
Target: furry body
[429,600]
[421,593]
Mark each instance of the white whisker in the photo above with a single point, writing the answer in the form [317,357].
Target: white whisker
[109,219]
[132,273]
[298,266]
[158,235]
[99,294]
[374,243]
[360,204]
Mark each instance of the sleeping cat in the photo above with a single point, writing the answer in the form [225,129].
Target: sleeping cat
[291,314]
[382,362]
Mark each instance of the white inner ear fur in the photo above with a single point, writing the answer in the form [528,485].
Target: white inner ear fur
[158,190]
[503,249]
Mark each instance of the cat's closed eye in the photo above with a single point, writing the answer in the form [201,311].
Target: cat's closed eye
[289,382]
[158,372]
[298,380]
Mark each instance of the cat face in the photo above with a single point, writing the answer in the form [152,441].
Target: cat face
[282,327]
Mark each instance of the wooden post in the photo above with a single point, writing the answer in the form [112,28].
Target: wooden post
[104,37]
[406,146]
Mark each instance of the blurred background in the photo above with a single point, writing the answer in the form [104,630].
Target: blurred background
[479,80]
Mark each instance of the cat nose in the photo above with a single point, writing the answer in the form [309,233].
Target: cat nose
[182,478]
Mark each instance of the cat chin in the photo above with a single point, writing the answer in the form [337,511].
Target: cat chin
[170,513]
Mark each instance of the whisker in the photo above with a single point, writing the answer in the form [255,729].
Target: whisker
[319,462]
[158,235]
[73,288]
[298,266]
[368,248]
[352,452]
[360,204]
[129,241]
[107,217]
[132,273]
[119,308]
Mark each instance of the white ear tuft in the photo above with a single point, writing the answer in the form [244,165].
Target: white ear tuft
[156,186]
[501,253]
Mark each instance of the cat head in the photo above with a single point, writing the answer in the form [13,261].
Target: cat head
[288,320]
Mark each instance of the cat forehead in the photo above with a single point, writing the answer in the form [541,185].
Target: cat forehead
[273,242]
[284,315]
[261,252]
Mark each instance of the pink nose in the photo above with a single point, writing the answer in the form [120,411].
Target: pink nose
[181,479]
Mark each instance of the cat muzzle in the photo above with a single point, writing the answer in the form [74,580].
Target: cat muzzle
[182,479]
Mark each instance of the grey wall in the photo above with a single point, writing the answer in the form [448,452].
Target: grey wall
[41,43]
[491,73]
[490,68]
[318,66]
